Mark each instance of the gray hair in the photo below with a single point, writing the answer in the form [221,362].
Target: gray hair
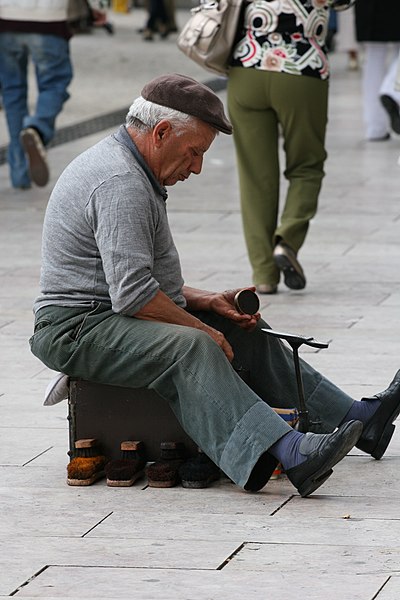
[144,115]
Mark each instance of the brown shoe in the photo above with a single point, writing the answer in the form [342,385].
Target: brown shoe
[34,148]
[286,260]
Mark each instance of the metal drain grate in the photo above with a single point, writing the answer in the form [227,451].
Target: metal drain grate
[100,123]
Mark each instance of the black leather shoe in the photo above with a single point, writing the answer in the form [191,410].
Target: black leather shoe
[315,470]
[379,429]
[286,260]
[393,110]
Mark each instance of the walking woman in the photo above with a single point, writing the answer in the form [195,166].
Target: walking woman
[278,83]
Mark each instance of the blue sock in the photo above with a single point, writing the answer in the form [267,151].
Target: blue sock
[361,411]
[286,449]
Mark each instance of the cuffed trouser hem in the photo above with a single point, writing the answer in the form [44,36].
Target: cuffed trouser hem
[249,440]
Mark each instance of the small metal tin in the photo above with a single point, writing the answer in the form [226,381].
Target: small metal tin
[247,302]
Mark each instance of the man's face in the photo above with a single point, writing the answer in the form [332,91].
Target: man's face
[180,154]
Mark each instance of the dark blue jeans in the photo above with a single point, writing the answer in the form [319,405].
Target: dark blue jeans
[53,69]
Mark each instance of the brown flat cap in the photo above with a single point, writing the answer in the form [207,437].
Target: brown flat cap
[188,96]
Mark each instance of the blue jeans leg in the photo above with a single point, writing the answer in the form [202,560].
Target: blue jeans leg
[13,77]
[50,55]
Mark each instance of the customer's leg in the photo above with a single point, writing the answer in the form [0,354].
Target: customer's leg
[13,76]
[50,54]
[270,367]
[271,375]
[301,105]
[256,141]
[185,366]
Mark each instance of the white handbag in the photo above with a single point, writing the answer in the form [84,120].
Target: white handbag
[208,36]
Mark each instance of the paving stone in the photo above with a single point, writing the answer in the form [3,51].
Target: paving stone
[14,449]
[146,584]
[247,527]
[322,559]
[391,590]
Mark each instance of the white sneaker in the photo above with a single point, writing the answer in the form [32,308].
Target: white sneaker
[57,390]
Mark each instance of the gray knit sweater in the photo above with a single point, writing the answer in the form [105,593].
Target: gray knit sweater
[106,235]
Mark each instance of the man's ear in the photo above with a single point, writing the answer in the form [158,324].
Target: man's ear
[161,131]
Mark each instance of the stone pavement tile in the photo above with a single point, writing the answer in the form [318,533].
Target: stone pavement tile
[18,325]
[358,506]
[325,560]
[148,584]
[150,553]
[31,416]
[17,397]
[355,269]
[387,235]
[356,475]
[34,481]
[32,513]
[17,390]
[320,295]
[355,203]
[249,527]
[205,278]
[384,320]
[393,299]
[21,445]
[12,286]
[223,500]
[220,252]
[31,369]
[18,357]
[342,231]
[389,252]
[391,591]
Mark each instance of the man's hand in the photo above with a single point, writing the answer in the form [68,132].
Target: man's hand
[224,305]
[163,309]
[221,303]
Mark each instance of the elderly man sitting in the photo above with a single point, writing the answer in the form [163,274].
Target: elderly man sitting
[114,308]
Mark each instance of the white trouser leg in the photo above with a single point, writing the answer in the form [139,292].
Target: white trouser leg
[375,117]
[388,86]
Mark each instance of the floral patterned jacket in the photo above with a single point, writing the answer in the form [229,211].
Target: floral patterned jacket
[286,36]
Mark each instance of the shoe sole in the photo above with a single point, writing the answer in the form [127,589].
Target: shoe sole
[125,482]
[384,442]
[87,481]
[38,168]
[162,484]
[385,438]
[293,278]
[393,111]
[314,481]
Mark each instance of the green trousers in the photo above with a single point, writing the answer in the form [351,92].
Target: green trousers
[231,421]
[261,104]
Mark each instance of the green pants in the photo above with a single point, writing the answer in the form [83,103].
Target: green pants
[232,422]
[261,103]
